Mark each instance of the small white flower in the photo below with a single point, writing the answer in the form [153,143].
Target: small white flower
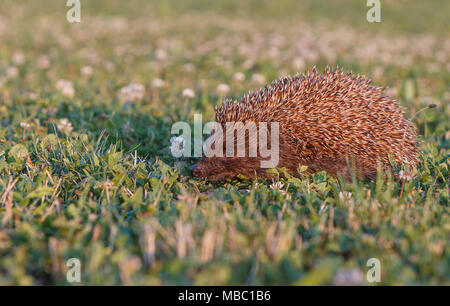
[404,175]
[132,92]
[12,72]
[277,186]
[188,93]
[161,54]
[188,67]
[258,79]
[43,62]
[345,195]
[68,91]
[109,66]
[298,63]
[18,58]
[109,184]
[33,96]
[64,126]
[65,88]
[378,72]
[248,64]
[177,146]
[50,110]
[238,77]
[158,83]
[346,277]
[25,125]
[87,71]
[60,84]
[223,89]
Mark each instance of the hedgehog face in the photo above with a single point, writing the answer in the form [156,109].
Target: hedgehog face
[233,150]
[224,158]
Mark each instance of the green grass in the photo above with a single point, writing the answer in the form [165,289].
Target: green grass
[108,191]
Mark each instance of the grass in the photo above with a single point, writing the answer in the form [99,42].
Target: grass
[84,174]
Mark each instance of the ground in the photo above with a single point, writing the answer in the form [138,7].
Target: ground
[86,172]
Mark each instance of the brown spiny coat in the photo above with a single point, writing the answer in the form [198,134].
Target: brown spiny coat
[334,121]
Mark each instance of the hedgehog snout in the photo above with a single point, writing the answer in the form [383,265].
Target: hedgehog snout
[197,170]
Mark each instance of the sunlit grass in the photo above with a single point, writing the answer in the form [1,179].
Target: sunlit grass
[86,170]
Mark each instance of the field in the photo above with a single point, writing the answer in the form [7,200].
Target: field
[86,171]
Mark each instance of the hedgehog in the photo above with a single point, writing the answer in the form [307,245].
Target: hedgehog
[335,122]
